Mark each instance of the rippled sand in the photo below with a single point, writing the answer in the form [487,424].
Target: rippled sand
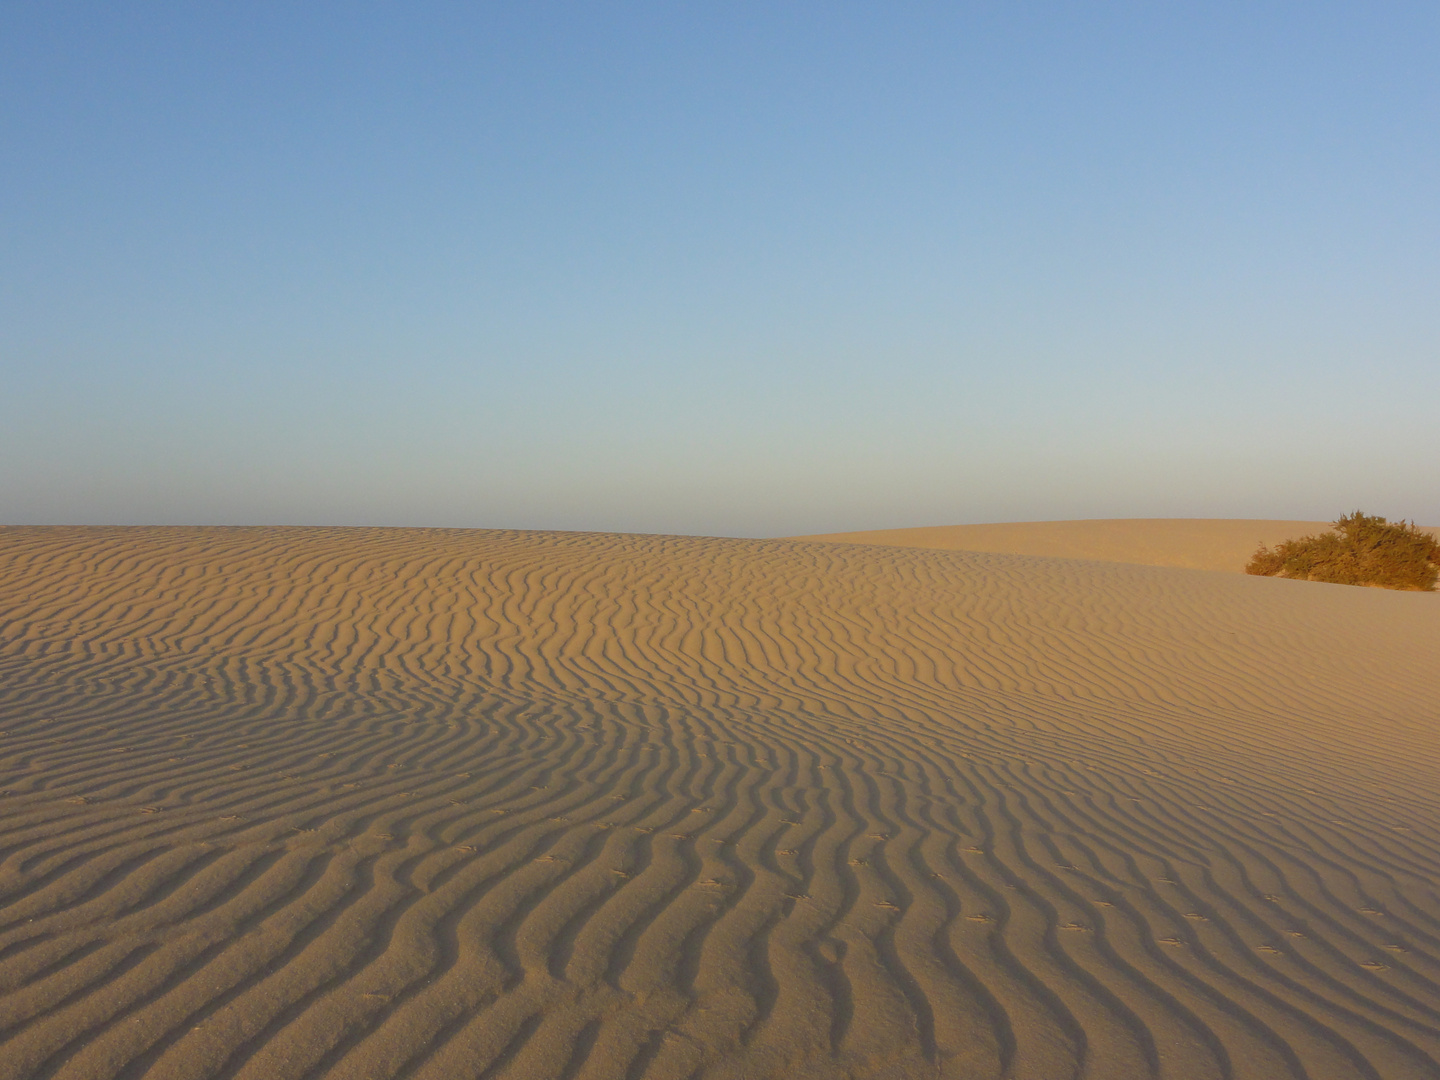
[372,803]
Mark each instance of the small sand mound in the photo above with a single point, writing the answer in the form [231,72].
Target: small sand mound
[1194,543]
[418,803]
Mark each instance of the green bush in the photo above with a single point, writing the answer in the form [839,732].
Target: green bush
[1362,550]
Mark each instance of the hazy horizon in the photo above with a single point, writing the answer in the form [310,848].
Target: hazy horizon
[744,271]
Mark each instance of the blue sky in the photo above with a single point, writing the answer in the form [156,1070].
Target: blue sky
[731,269]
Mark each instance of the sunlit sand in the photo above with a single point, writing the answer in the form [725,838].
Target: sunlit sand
[367,803]
[1194,543]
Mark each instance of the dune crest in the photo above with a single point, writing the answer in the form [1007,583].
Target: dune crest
[1192,543]
[440,803]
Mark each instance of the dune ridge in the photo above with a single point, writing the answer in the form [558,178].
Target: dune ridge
[431,803]
[1193,543]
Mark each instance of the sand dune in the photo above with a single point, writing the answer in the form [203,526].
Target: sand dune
[1195,543]
[377,803]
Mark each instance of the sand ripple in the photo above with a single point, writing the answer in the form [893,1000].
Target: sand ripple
[372,803]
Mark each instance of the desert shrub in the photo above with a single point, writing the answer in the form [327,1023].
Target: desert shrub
[1361,550]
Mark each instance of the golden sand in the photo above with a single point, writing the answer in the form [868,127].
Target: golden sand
[1195,543]
[378,803]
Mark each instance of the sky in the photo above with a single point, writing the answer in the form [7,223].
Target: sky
[735,269]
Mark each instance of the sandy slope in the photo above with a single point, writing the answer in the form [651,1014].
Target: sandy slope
[373,803]
[1196,543]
